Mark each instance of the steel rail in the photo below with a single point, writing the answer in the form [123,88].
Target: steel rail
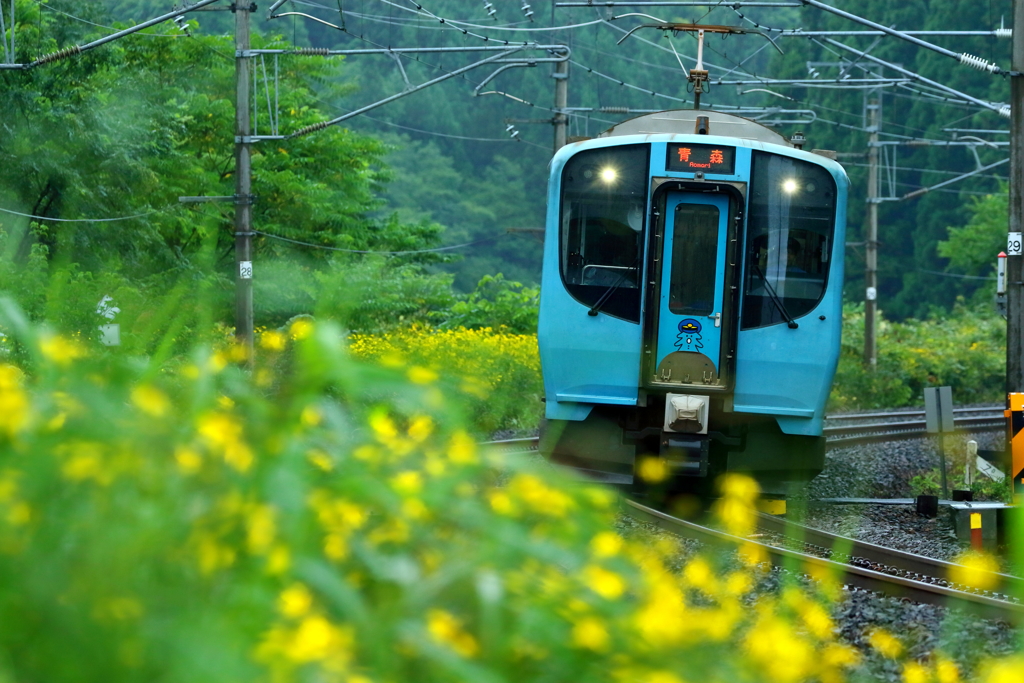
[911,413]
[1005,584]
[859,577]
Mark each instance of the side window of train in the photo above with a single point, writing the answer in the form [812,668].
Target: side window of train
[604,197]
[790,222]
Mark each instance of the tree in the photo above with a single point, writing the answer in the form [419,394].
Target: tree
[126,129]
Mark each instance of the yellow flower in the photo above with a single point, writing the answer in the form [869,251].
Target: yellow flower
[607,584]
[915,673]
[1003,671]
[150,400]
[542,498]
[85,461]
[420,428]
[60,350]
[272,340]
[606,544]
[189,461]
[419,375]
[739,486]
[14,402]
[462,449]
[407,483]
[976,570]
[260,528]
[310,416]
[653,470]
[445,629]
[885,643]
[295,601]
[320,459]
[590,634]
[501,503]
[301,329]
[316,638]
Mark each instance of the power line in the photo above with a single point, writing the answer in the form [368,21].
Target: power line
[79,220]
[384,253]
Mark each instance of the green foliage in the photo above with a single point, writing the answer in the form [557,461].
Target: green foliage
[498,303]
[972,248]
[930,484]
[126,129]
[965,350]
[319,519]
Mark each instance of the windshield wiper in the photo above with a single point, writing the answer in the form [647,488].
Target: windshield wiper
[775,298]
[603,299]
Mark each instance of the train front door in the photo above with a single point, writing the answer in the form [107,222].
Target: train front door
[688,339]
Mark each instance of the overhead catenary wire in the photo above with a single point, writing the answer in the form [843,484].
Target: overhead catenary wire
[382,253]
[79,220]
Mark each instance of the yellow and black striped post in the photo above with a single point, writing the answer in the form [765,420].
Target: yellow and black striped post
[1015,438]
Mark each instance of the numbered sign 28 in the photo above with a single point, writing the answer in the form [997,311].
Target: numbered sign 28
[245,270]
[1013,245]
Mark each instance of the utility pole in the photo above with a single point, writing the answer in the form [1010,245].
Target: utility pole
[561,119]
[871,243]
[243,182]
[1014,293]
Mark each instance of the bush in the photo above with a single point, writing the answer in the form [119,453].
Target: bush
[965,350]
[322,519]
[498,369]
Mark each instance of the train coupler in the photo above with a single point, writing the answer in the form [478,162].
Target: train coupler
[686,455]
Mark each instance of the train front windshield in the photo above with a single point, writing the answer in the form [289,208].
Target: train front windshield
[602,225]
[789,235]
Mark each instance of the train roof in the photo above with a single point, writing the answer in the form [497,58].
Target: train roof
[685,120]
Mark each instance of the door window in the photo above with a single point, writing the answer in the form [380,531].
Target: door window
[694,259]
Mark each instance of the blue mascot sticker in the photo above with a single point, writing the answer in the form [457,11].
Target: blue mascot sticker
[688,338]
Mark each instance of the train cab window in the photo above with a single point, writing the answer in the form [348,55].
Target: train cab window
[790,221]
[603,213]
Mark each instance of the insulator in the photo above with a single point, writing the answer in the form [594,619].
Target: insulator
[978,63]
[490,10]
[527,11]
[1004,33]
[310,129]
[1004,110]
[58,55]
[614,110]
[322,51]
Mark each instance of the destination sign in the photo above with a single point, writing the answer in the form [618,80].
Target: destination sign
[690,158]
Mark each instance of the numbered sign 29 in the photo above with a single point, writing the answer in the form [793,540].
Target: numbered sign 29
[1013,245]
[245,270]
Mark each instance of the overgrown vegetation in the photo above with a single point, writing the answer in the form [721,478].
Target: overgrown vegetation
[324,519]
[965,350]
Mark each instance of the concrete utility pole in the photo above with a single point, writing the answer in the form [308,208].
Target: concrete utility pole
[1014,289]
[243,182]
[871,242]
[561,119]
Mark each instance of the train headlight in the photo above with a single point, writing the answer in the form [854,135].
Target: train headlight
[789,186]
[609,174]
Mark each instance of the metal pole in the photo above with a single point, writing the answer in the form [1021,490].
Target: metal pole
[561,118]
[243,184]
[1014,298]
[871,243]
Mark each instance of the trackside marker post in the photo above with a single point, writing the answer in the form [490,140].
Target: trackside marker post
[1015,437]
[938,417]
[976,530]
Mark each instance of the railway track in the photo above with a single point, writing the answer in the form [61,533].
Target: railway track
[870,567]
[863,565]
[908,424]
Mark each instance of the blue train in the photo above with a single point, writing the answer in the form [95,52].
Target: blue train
[691,299]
